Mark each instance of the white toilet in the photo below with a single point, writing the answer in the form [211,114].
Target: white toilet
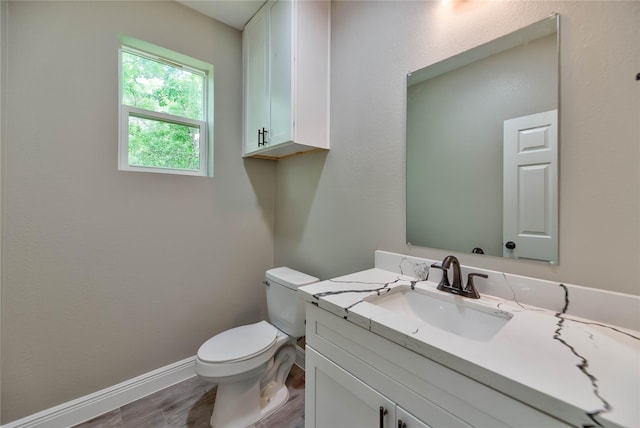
[250,363]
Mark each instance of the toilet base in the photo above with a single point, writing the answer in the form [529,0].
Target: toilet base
[240,404]
[243,411]
[276,401]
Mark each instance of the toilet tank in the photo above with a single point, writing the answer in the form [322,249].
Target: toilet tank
[284,304]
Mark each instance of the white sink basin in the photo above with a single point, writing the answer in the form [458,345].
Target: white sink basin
[466,319]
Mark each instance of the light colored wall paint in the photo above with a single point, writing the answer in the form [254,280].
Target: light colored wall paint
[109,274]
[333,210]
[3,64]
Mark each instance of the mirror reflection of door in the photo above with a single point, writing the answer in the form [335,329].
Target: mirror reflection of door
[455,111]
[530,194]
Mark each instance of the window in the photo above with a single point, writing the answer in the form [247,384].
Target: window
[166,107]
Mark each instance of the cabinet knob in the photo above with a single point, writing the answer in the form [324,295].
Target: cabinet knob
[510,245]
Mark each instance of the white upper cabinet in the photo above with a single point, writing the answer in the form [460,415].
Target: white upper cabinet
[286,79]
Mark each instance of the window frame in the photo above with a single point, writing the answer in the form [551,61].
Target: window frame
[205,126]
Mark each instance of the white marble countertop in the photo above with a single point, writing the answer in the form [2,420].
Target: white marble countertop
[584,372]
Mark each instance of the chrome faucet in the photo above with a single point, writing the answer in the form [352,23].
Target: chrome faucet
[457,288]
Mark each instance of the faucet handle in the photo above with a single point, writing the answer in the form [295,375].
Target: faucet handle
[444,282]
[470,290]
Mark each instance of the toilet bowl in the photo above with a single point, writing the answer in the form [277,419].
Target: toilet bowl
[250,363]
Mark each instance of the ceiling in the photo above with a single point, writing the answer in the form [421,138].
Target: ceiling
[235,13]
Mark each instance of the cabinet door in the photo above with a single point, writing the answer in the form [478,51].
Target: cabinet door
[334,398]
[407,420]
[256,90]
[281,71]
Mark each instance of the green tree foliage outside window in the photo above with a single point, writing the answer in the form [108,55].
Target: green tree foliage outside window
[158,87]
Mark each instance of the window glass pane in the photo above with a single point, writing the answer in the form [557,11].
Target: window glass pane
[154,143]
[156,86]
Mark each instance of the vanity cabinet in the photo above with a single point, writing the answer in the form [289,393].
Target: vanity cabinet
[286,79]
[356,378]
[342,400]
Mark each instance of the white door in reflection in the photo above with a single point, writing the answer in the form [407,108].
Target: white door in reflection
[530,194]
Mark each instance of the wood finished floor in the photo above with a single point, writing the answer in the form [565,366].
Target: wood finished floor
[189,404]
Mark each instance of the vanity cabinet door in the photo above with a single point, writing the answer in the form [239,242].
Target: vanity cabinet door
[335,398]
[407,420]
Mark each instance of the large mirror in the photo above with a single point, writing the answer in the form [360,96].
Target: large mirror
[482,148]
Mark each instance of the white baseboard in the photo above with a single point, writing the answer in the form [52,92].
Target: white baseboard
[92,405]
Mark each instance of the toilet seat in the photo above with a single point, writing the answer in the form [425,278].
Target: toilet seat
[238,344]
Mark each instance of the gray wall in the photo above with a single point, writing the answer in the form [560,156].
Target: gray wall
[109,274]
[3,61]
[333,210]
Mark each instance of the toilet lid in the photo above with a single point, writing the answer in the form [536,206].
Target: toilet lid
[239,343]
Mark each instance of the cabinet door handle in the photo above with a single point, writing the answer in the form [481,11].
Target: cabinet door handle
[262,133]
[383,413]
[262,137]
[401,424]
